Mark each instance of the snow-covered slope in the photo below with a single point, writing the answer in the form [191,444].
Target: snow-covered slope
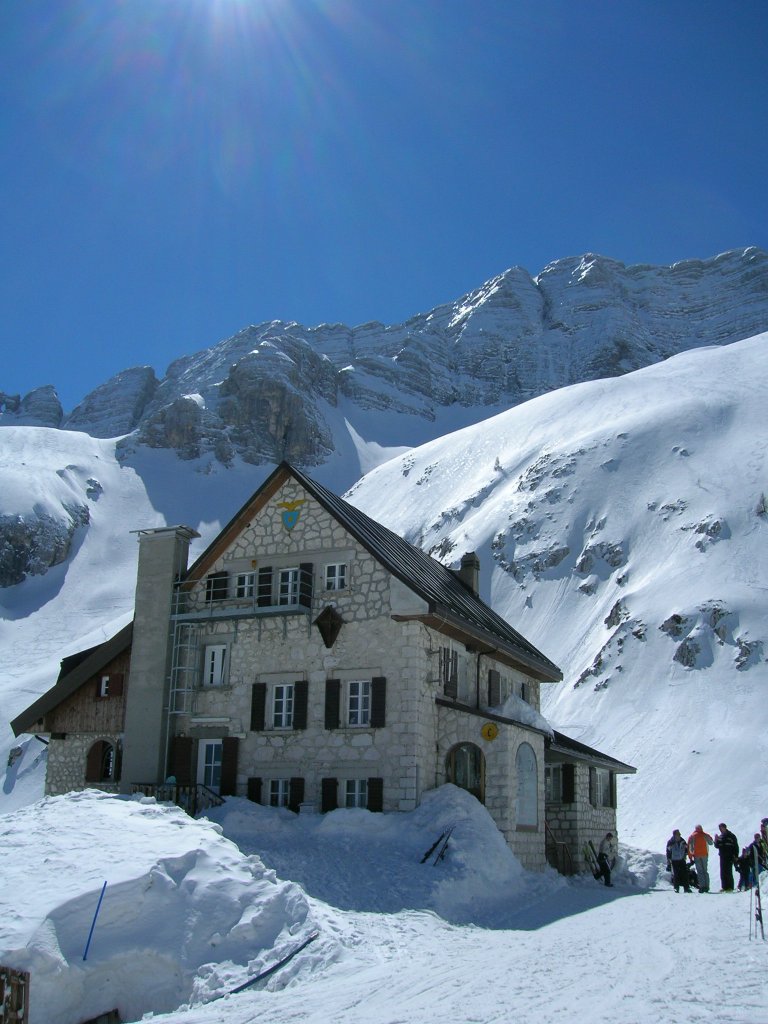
[623,527]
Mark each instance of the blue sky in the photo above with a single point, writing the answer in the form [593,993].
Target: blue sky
[173,170]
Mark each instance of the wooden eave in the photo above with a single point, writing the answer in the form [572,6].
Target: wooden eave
[70,682]
[569,749]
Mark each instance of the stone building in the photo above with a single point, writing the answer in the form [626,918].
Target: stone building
[313,659]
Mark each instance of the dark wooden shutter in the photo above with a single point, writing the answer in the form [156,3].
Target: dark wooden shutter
[375,794]
[264,587]
[494,687]
[93,762]
[305,584]
[332,703]
[258,706]
[378,702]
[116,683]
[524,692]
[593,786]
[182,752]
[254,789]
[612,790]
[449,660]
[295,794]
[97,694]
[329,789]
[228,766]
[569,783]
[300,693]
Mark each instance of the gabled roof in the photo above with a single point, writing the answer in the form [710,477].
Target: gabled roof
[450,600]
[562,744]
[75,670]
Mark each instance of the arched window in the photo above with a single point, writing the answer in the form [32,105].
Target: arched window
[465,767]
[101,763]
[527,811]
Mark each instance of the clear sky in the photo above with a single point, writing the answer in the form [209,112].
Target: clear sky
[174,170]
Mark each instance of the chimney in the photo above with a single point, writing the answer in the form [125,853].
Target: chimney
[469,572]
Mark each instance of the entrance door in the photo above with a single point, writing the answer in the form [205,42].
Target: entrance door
[209,771]
[466,769]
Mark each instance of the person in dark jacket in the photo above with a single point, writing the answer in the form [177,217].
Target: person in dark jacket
[677,858]
[727,845]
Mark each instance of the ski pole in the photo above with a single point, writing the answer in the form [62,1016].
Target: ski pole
[93,923]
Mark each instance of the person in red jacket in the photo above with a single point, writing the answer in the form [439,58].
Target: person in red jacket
[699,842]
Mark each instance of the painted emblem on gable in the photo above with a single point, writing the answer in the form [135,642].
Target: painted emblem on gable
[292,512]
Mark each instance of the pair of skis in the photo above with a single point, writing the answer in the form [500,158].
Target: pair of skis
[439,846]
[758,901]
[590,856]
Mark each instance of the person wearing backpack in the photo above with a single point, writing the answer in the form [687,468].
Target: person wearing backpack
[677,854]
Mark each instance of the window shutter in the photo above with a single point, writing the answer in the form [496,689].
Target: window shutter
[375,794]
[300,692]
[593,786]
[93,762]
[182,751]
[524,692]
[378,702]
[264,587]
[295,794]
[305,584]
[569,783]
[494,687]
[116,684]
[450,673]
[254,789]
[612,789]
[97,691]
[329,795]
[258,706]
[228,766]
[332,703]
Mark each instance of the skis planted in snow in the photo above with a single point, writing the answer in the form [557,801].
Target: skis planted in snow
[439,846]
[590,856]
[758,901]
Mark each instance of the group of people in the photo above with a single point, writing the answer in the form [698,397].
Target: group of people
[687,859]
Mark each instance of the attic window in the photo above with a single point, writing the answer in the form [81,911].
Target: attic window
[216,586]
[329,623]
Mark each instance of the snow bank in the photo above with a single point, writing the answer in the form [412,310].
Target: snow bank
[185,916]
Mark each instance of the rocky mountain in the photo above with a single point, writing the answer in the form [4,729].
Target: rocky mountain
[282,390]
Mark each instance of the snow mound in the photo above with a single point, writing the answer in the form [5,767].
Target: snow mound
[185,926]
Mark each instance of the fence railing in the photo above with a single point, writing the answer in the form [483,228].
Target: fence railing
[558,853]
[14,996]
[194,798]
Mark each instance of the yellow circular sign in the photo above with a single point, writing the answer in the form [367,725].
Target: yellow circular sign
[489,731]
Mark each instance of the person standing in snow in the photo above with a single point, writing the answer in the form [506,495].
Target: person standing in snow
[727,845]
[677,853]
[699,842]
[606,857]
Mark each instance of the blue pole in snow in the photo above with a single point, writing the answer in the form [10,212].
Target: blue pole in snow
[93,923]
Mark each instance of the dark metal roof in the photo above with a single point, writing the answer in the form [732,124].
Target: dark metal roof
[75,670]
[572,748]
[435,583]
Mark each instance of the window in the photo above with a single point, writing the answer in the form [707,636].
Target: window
[356,793]
[216,586]
[359,702]
[601,788]
[209,766]
[282,706]
[109,685]
[553,783]
[527,787]
[449,672]
[279,792]
[288,586]
[336,576]
[214,663]
[245,584]
[101,763]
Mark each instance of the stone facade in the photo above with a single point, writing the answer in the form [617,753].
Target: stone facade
[579,820]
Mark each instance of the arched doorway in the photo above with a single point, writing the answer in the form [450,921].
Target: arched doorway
[527,815]
[465,767]
[101,763]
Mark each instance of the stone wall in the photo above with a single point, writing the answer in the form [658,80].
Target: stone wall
[578,822]
[67,760]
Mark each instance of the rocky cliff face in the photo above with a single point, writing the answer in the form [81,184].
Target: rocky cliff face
[265,393]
